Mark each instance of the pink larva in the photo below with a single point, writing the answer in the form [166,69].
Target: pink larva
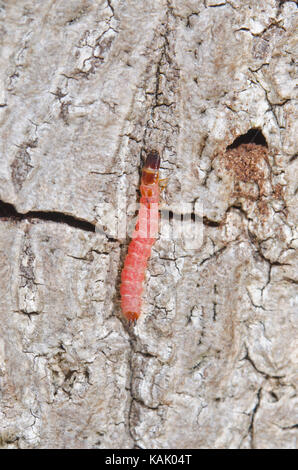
[144,236]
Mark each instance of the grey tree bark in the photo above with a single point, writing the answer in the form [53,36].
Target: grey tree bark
[86,87]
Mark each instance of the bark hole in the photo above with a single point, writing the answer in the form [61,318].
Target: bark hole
[254,135]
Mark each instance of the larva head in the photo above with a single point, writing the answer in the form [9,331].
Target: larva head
[151,168]
[153,160]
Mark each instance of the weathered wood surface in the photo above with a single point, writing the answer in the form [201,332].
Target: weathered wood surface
[86,87]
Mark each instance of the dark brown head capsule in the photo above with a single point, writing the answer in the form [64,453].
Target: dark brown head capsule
[153,160]
[151,168]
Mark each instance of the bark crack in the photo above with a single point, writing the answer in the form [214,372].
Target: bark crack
[9,212]
[264,374]
[251,429]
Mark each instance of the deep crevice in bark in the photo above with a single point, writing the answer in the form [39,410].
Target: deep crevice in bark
[9,212]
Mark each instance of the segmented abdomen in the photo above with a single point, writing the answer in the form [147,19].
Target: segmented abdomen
[139,250]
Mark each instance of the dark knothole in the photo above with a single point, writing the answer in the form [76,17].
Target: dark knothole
[253,136]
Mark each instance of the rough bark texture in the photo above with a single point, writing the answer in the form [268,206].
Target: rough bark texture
[86,87]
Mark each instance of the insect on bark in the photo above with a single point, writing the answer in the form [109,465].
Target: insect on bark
[144,236]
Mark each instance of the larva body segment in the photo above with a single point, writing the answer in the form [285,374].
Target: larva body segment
[144,236]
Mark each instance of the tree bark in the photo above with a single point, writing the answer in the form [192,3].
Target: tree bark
[86,88]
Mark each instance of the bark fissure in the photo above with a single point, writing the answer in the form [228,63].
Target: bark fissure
[9,212]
